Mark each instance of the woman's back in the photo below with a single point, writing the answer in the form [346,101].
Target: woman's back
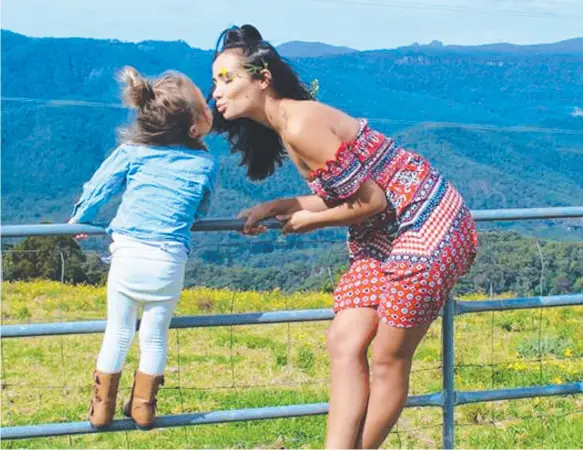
[340,123]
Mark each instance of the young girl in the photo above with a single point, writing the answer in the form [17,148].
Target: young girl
[168,177]
[411,235]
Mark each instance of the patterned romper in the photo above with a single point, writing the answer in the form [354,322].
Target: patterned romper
[405,260]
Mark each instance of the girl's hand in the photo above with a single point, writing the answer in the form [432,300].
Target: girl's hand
[79,237]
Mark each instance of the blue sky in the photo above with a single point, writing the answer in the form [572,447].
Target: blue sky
[361,24]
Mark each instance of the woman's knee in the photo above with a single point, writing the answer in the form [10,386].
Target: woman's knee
[394,348]
[387,363]
[388,366]
[351,338]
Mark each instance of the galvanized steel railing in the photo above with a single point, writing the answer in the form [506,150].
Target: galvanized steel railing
[447,399]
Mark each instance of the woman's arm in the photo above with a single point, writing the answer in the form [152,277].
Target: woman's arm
[312,140]
[368,201]
[315,144]
[285,206]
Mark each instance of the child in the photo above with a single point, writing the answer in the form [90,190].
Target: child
[168,177]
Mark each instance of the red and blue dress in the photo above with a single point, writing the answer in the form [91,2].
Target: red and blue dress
[405,260]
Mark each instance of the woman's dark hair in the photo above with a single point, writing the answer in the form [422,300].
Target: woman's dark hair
[260,146]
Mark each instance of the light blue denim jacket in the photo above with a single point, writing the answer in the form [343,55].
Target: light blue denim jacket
[167,188]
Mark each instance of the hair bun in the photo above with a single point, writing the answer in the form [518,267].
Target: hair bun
[138,91]
[241,35]
[250,33]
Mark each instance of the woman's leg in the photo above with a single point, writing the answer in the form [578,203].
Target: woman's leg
[391,359]
[349,336]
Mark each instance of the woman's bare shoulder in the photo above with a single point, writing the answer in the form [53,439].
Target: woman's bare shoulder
[303,116]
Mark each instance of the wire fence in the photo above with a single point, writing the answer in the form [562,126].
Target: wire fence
[248,369]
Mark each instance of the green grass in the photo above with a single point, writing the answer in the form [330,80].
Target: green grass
[46,380]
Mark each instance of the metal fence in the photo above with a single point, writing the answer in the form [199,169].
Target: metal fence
[448,398]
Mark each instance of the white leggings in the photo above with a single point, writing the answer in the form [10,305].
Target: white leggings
[122,313]
[140,275]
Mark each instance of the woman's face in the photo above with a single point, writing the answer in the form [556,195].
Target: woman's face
[236,93]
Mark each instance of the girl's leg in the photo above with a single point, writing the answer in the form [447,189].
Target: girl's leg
[153,350]
[122,314]
[349,336]
[117,340]
[154,336]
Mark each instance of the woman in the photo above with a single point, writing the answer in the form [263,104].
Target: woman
[410,237]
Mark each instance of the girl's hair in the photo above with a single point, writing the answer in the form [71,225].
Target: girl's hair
[165,110]
[261,147]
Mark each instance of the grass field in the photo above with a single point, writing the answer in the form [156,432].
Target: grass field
[48,379]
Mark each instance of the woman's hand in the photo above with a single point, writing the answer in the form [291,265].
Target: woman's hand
[298,222]
[254,215]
